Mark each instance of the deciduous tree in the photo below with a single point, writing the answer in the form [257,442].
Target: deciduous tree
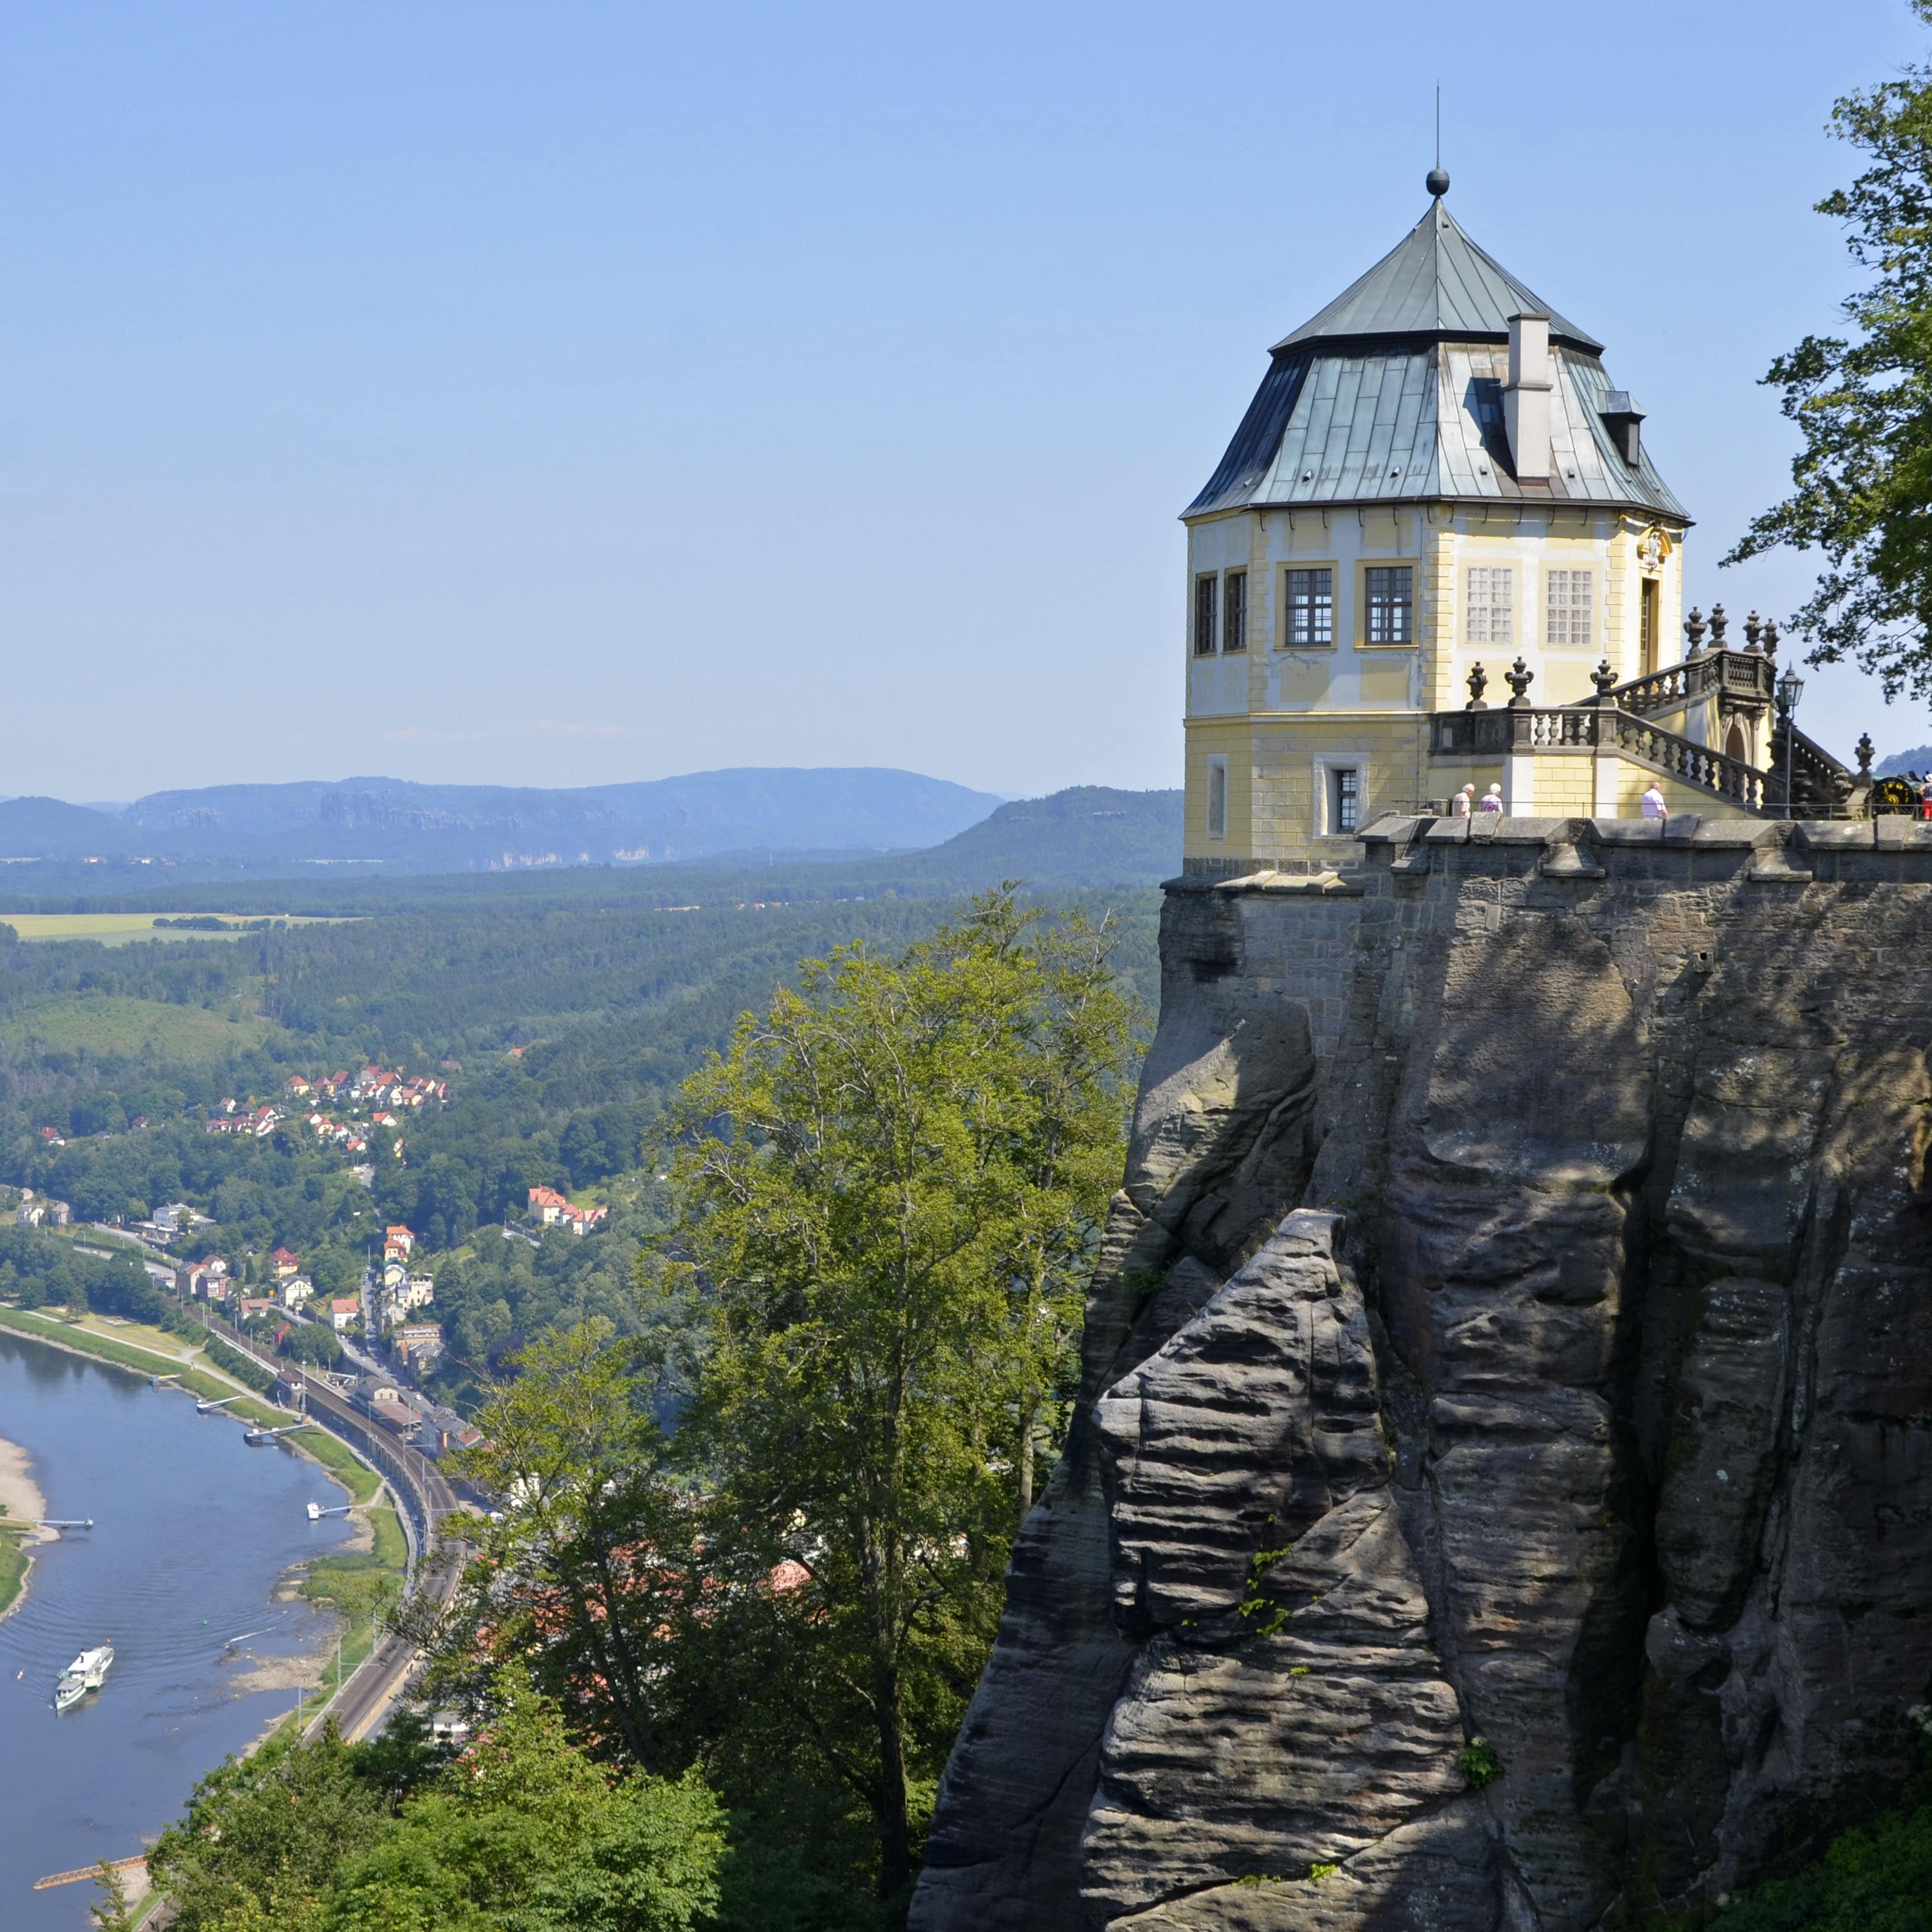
[1862,482]
[893,1184]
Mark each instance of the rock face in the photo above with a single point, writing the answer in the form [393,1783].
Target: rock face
[1515,1326]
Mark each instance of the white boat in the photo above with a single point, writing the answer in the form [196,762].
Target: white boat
[88,1671]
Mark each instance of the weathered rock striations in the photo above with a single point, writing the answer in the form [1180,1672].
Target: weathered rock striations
[1515,1324]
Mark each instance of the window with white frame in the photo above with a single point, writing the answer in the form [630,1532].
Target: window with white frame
[1309,597]
[1234,612]
[1217,798]
[1491,609]
[1390,593]
[1568,599]
[1341,796]
[1205,600]
[1345,798]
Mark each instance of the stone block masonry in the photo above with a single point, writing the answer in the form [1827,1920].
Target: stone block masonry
[1516,1323]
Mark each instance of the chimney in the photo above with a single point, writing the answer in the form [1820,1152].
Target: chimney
[1526,400]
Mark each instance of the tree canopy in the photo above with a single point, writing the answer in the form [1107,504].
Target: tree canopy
[1862,481]
[889,1189]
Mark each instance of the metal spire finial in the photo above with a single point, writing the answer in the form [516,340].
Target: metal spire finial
[1437,180]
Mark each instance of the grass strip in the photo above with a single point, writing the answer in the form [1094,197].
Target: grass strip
[13,1561]
[355,1586]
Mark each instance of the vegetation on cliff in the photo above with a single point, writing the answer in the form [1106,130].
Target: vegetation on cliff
[1862,481]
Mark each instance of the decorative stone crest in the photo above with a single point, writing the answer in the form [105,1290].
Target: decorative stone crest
[1479,682]
[1519,677]
[1753,631]
[1865,749]
[1604,679]
[1694,627]
[1719,623]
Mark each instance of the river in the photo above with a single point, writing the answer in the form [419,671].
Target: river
[192,1530]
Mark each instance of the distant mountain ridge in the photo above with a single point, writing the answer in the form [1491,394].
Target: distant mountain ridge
[1084,838]
[396,825]
[1919,759]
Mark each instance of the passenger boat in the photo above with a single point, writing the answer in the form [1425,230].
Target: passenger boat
[88,1671]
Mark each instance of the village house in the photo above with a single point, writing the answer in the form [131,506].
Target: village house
[553,1210]
[343,1310]
[296,1290]
[203,1280]
[416,1345]
[252,1305]
[284,1264]
[43,1212]
[443,1432]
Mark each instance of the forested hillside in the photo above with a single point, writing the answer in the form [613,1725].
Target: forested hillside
[560,1029]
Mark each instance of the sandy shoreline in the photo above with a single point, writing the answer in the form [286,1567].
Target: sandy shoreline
[24,1504]
[19,1492]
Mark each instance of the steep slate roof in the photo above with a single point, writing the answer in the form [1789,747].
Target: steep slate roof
[1436,282]
[1394,393]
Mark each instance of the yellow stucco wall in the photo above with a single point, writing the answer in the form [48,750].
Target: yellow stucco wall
[1275,714]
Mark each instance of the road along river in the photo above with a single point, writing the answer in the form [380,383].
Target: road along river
[193,1529]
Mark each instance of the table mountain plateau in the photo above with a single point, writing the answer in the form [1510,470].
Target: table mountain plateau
[1500,1492]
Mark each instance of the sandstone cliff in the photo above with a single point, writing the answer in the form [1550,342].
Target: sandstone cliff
[1516,1326]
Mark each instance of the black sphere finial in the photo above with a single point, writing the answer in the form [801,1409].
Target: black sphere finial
[1437,182]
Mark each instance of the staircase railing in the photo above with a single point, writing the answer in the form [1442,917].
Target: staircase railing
[1747,675]
[1815,776]
[1516,729]
[1726,778]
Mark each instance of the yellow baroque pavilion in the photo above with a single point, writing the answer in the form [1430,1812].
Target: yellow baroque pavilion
[1437,554]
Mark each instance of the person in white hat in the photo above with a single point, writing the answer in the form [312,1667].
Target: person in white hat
[1492,799]
[1465,801]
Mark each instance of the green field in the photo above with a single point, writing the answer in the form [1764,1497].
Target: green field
[124,928]
[344,1583]
[111,1023]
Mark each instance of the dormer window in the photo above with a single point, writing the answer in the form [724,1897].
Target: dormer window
[1206,601]
[1390,593]
[1624,422]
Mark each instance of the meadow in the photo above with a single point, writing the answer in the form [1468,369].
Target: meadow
[126,928]
[104,1024]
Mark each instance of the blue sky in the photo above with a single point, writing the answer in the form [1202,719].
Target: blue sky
[564,394]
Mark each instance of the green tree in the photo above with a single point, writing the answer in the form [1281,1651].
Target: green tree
[111,1912]
[264,1834]
[591,1573]
[527,1833]
[893,1183]
[1862,481]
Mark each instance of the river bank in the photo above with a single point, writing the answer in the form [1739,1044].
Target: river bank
[188,1572]
[22,1507]
[192,1372]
